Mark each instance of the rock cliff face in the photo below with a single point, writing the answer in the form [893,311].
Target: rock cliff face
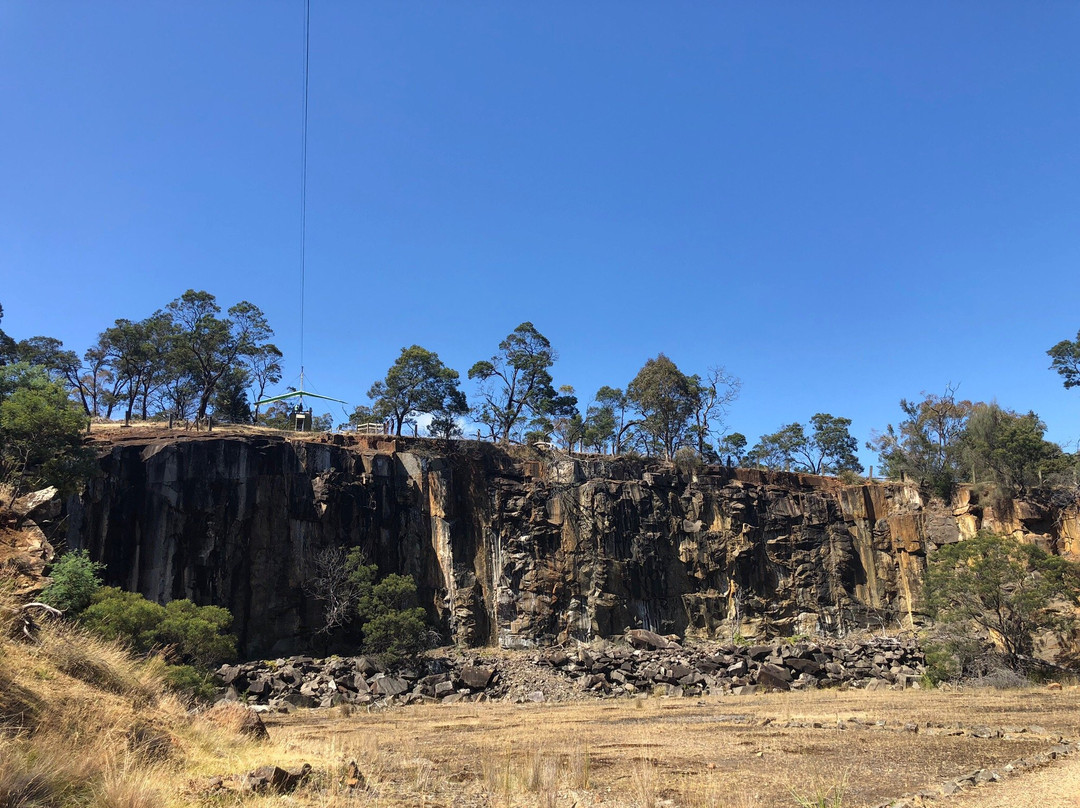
[517,549]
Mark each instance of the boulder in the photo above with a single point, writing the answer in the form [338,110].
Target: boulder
[266,779]
[641,638]
[42,504]
[389,686]
[476,677]
[773,677]
[237,718]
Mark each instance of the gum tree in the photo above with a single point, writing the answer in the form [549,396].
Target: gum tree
[516,383]
[208,346]
[418,383]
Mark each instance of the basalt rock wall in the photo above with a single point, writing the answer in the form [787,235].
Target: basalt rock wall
[519,549]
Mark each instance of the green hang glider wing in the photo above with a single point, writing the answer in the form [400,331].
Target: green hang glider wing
[297,394]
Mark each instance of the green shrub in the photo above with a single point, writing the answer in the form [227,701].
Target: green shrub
[688,461]
[75,579]
[196,634]
[393,624]
[189,681]
[953,655]
[127,617]
[849,477]
[386,612]
[397,635]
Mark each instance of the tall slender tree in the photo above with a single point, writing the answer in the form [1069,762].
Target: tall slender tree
[516,382]
[265,370]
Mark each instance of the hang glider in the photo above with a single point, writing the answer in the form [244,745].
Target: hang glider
[300,394]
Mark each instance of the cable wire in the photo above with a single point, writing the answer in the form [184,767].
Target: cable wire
[303,181]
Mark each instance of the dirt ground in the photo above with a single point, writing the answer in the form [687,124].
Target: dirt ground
[768,750]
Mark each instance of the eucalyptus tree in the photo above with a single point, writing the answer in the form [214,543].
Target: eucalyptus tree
[609,420]
[926,444]
[666,399]
[209,346]
[829,449]
[1065,359]
[713,395]
[264,367]
[516,383]
[137,353]
[732,446]
[418,383]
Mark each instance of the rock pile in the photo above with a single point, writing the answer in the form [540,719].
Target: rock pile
[660,665]
[302,681]
[649,665]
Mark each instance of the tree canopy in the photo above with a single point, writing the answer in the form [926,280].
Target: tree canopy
[926,444]
[41,432]
[418,383]
[1007,448]
[516,382]
[208,346]
[1065,359]
[665,397]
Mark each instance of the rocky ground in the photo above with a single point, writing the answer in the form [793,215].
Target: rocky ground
[644,664]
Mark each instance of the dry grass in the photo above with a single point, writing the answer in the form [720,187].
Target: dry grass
[714,752]
[83,723]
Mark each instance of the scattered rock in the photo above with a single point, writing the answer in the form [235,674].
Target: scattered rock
[353,777]
[239,718]
[276,779]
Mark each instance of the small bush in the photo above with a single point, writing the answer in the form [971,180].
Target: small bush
[75,579]
[397,635]
[194,633]
[198,632]
[188,681]
[824,795]
[688,461]
[394,625]
[849,477]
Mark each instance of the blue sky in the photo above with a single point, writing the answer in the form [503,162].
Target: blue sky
[843,203]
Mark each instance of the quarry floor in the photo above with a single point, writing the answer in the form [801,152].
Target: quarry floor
[761,750]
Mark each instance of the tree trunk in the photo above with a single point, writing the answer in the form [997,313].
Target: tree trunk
[204,402]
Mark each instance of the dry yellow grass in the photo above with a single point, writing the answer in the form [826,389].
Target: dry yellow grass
[83,723]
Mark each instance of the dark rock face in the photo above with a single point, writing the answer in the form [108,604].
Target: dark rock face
[517,549]
[237,521]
